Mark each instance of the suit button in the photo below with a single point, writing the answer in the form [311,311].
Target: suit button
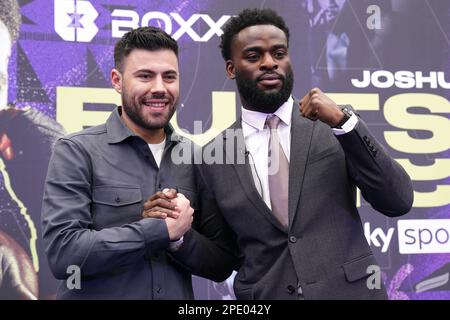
[117,199]
[292,239]
[158,290]
[291,289]
[366,139]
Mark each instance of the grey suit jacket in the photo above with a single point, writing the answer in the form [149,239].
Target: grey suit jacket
[324,250]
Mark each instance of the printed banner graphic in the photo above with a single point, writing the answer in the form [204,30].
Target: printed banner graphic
[389,59]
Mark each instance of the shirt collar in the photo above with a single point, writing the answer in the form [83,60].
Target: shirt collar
[257,119]
[117,130]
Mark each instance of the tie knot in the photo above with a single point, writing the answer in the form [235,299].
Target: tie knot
[272,122]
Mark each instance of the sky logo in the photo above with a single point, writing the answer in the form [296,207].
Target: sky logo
[377,237]
[74,20]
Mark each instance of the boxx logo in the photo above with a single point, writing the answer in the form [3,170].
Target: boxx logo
[130,19]
[74,20]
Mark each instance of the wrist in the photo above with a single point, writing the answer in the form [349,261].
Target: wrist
[344,115]
[337,119]
[174,245]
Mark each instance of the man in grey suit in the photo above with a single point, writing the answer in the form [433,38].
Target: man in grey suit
[291,203]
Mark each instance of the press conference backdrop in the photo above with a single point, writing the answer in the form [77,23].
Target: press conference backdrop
[390,59]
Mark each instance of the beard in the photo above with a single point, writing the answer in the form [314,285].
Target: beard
[259,99]
[135,111]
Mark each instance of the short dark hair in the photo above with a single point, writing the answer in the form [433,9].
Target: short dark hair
[11,18]
[148,38]
[248,18]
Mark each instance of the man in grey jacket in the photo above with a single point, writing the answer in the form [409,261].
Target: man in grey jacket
[103,181]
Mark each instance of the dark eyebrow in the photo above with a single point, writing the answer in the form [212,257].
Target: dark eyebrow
[171,72]
[279,46]
[147,71]
[258,49]
[143,71]
[251,49]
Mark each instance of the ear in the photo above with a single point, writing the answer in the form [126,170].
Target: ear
[229,67]
[116,80]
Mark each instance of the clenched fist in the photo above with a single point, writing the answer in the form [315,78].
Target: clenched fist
[315,105]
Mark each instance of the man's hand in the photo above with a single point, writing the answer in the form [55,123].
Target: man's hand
[161,205]
[178,227]
[315,105]
[6,149]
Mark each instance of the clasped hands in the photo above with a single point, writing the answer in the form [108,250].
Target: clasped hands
[174,208]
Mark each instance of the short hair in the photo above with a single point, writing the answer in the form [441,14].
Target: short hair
[248,18]
[148,38]
[11,18]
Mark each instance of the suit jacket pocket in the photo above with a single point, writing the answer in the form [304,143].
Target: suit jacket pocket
[357,269]
[244,294]
[323,154]
[116,205]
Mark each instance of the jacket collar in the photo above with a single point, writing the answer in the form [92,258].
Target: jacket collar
[118,132]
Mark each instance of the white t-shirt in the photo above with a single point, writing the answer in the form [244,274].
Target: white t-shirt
[157,150]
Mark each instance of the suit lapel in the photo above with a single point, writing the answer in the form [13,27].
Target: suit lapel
[301,134]
[244,172]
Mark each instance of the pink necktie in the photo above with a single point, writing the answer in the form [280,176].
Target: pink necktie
[278,173]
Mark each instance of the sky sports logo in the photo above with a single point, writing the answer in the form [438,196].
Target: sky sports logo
[424,236]
[75,21]
[414,236]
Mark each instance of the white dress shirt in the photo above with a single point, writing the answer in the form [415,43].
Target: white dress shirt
[257,141]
